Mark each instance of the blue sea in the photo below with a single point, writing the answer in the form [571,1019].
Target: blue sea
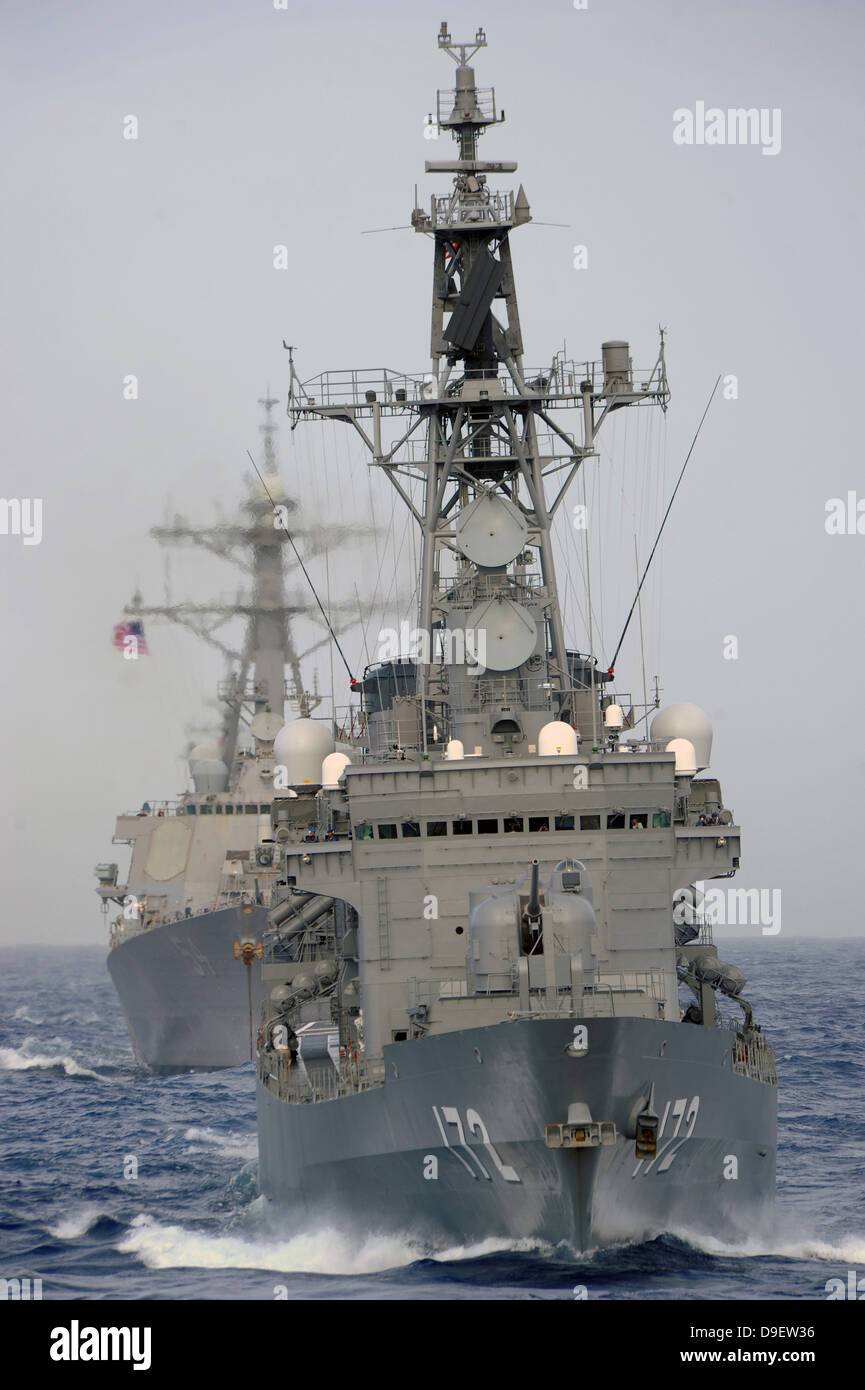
[118,1185]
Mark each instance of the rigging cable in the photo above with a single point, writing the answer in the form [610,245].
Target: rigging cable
[305,570]
[663,524]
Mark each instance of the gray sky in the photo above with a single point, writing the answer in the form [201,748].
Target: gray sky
[304,127]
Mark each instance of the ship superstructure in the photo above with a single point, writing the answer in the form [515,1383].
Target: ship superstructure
[473,1024]
[185,946]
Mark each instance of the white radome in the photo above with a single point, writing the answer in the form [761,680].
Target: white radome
[332,768]
[301,747]
[557,739]
[686,759]
[614,717]
[202,753]
[689,722]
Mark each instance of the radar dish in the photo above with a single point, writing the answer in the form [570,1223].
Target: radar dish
[265,726]
[491,531]
[503,634]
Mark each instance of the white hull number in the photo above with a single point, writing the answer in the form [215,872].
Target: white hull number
[448,1118]
[681,1110]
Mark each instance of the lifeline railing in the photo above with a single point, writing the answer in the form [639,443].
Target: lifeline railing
[753,1057]
[298,1085]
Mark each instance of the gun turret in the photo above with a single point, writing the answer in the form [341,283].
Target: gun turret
[532,912]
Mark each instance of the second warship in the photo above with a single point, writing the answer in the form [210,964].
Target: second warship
[186,943]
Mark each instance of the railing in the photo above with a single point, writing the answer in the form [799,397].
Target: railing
[427,992]
[155,808]
[454,210]
[646,982]
[393,392]
[483,99]
[484,586]
[119,934]
[355,386]
[649,982]
[296,1086]
[548,446]
[350,723]
[135,927]
[753,1057]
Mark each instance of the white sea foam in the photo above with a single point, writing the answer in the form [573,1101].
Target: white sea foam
[21,1016]
[785,1245]
[16,1059]
[76,1224]
[323,1251]
[242,1146]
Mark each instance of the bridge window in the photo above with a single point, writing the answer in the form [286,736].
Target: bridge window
[590,822]
[488,827]
[616,820]
[539,823]
[564,822]
[190,810]
[513,825]
[363,832]
[205,810]
[251,810]
[410,828]
[265,809]
[387,832]
[660,819]
[638,821]
[229,810]
[437,827]
[218,808]
[462,827]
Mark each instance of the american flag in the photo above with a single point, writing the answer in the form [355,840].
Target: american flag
[124,632]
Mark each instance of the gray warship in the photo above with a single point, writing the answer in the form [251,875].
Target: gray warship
[494,1007]
[185,947]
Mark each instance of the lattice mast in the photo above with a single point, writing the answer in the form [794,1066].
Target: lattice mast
[491,441]
[258,669]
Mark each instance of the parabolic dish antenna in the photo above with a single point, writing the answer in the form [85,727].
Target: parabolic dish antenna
[266,726]
[504,635]
[491,531]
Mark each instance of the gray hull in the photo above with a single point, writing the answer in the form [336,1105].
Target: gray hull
[185,997]
[391,1160]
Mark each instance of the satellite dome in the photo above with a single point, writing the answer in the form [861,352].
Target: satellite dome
[685,722]
[557,738]
[201,753]
[686,758]
[614,717]
[301,747]
[209,775]
[332,768]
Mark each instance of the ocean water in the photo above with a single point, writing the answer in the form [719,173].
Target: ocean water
[118,1185]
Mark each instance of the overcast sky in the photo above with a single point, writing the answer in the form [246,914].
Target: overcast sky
[303,127]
